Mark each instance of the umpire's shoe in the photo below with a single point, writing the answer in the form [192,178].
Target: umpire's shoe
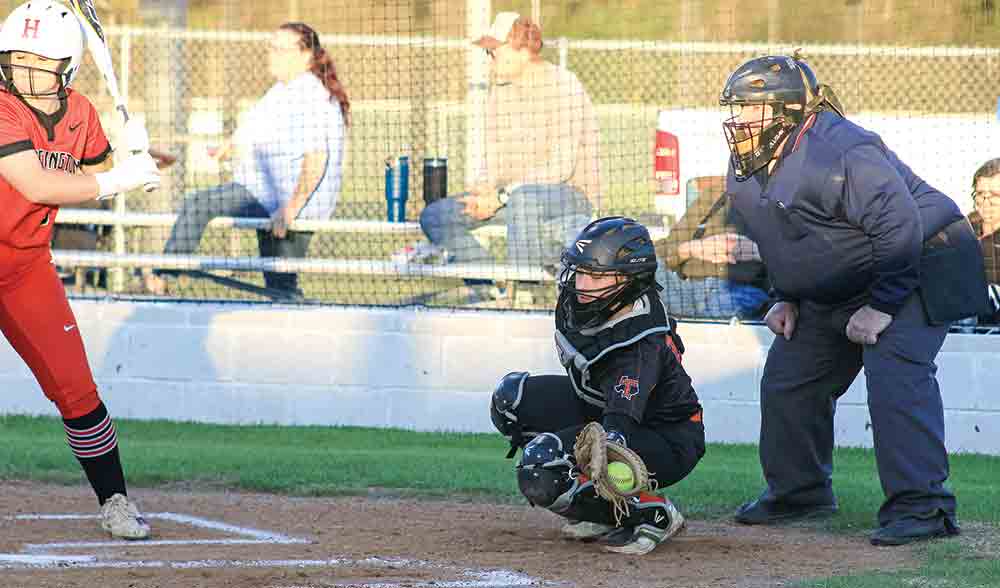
[769,512]
[121,518]
[911,529]
[653,520]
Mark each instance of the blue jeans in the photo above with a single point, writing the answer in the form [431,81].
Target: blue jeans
[541,221]
[232,199]
[714,298]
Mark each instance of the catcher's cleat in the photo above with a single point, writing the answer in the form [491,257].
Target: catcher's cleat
[122,519]
[585,530]
[655,520]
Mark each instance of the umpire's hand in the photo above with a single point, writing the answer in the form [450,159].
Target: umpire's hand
[781,319]
[866,325]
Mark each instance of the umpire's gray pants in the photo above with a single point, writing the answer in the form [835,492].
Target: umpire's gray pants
[804,377]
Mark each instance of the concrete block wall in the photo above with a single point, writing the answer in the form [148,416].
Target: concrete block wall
[422,369]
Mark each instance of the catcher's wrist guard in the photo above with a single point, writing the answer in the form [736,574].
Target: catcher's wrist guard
[617,437]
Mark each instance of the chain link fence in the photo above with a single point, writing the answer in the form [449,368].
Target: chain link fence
[419,93]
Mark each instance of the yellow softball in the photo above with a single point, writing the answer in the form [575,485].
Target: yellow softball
[621,476]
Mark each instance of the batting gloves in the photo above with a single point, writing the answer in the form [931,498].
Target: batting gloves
[136,170]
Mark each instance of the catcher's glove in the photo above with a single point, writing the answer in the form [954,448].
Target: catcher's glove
[593,453]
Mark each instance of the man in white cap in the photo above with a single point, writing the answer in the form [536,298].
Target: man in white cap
[541,172]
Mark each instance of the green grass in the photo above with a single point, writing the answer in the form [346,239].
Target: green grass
[347,460]
[947,564]
[358,461]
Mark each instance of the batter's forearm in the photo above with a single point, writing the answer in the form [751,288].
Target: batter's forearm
[59,188]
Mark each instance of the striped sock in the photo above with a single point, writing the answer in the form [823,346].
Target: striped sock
[93,440]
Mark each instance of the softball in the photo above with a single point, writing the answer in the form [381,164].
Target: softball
[621,476]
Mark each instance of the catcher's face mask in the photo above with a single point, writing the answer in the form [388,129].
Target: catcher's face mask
[591,298]
[592,286]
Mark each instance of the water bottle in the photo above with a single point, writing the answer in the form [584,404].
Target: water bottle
[435,179]
[397,187]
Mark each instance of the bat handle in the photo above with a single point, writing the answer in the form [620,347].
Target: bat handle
[124,112]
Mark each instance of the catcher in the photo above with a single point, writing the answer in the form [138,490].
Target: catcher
[625,398]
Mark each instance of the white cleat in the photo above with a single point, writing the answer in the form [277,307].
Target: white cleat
[666,522]
[122,519]
[585,531]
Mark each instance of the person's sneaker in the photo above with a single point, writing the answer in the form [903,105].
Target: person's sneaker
[585,530]
[912,529]
[765,512]
[122,519]
[153,283]
[419,252]
[655,520]
[476,295]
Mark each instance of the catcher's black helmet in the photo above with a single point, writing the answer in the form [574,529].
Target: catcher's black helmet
[612,245]
[786,84]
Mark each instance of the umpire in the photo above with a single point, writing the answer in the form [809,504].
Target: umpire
[870,265]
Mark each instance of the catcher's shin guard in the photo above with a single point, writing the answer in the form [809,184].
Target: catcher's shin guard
[652,520]
[545,476]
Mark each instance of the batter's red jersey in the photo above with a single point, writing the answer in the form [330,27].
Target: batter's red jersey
[64,140]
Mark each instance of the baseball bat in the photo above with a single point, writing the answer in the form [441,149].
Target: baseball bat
[102,56]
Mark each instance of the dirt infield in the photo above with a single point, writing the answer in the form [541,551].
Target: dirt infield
[216,539]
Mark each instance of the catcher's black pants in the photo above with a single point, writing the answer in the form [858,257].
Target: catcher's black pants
[670,450]
[801,383]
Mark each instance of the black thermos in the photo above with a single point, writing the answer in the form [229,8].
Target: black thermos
[435,178]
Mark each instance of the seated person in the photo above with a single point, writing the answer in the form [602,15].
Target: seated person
[540,176]
[289,148]
[708,267]
[985,220]
[623,370]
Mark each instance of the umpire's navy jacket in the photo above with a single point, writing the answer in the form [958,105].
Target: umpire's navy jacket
[840,215]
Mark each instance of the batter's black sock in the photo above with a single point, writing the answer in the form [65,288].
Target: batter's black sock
[94,442]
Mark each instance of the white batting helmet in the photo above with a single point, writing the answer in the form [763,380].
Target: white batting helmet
[46,28]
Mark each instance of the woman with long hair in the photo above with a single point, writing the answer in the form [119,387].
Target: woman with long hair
[289,151]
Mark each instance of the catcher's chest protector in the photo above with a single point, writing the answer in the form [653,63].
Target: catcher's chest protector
[579,351]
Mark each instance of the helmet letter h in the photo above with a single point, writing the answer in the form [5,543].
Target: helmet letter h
[30,28]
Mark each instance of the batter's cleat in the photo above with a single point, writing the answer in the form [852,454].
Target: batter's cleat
[585,530]
[122,519]
[655,519]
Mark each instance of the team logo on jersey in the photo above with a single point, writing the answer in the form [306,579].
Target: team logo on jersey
[58,160]
[627,387]
[582,243]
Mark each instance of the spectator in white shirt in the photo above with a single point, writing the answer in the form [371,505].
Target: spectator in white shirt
[289,151]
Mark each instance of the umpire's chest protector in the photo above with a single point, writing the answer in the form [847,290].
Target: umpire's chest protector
[796,216]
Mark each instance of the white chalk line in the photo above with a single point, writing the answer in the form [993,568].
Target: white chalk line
[42,547]
[16,558]
[263,536]
[478,579]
